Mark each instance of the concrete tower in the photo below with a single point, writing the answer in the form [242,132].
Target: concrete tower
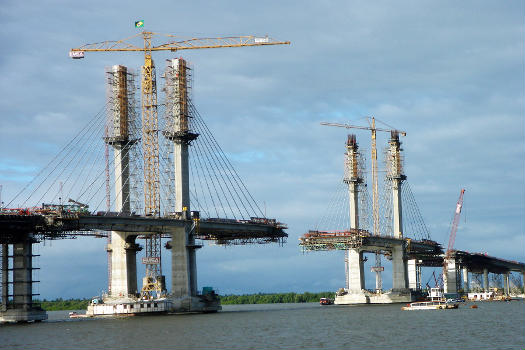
[356,276]
[122,249]
[184,270]
[396,176]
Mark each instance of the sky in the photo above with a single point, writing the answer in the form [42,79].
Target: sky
[448,73]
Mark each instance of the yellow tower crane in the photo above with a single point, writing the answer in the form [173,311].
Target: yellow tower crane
[149,90]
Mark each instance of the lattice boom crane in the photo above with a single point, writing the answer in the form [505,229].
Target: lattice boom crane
[455,223]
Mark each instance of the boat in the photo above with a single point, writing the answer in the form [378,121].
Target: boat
[430,305]
[437,302]
[326,301]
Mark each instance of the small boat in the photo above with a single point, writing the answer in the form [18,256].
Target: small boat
[74,314]
[430,305]
[326,301]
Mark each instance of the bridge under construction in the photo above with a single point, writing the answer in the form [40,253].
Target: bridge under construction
[127,177]
[398,232]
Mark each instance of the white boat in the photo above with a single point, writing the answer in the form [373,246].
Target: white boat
[436,302]
[430,305]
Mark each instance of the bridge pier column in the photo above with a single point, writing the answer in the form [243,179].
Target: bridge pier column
[183,268]
[414,274]
[466,285]
[356,275]
[5,277]
[21,309]
[123,264]
[485,280]
[450,276]
[506,284]
[399,269]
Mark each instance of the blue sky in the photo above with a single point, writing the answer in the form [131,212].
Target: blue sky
[448,73]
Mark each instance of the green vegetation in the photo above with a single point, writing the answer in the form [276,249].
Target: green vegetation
[274,298]
[61,304]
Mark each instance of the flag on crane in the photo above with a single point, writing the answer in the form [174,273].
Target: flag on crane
[139,24]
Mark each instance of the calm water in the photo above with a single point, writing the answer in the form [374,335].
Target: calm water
[495,325]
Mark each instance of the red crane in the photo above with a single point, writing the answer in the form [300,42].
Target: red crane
[455,223]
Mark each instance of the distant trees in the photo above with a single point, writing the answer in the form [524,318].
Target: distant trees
[61,304]
[274,298]
[270,298]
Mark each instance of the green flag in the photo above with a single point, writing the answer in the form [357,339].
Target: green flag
[139,24]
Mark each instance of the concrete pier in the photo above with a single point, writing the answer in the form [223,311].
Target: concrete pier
[414,274]
[466,284]
[123,264]
[450,276]
[485,280]
[506,284]
[20,308]
[399,269]
[5,277]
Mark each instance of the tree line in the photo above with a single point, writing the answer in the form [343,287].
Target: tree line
[259,298]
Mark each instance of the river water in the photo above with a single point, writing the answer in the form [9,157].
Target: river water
[493,325]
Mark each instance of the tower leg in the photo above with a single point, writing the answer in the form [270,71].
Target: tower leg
[356,276]
[399,270]
[183,269]
[123,264]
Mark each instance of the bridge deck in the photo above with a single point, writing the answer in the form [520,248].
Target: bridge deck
[224,231]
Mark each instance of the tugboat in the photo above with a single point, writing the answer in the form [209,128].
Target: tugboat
[326,301]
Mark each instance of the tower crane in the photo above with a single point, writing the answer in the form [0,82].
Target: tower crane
[375,192]
[148,90]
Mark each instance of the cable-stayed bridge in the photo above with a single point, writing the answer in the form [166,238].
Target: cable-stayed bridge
[397,231]
[121,177]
